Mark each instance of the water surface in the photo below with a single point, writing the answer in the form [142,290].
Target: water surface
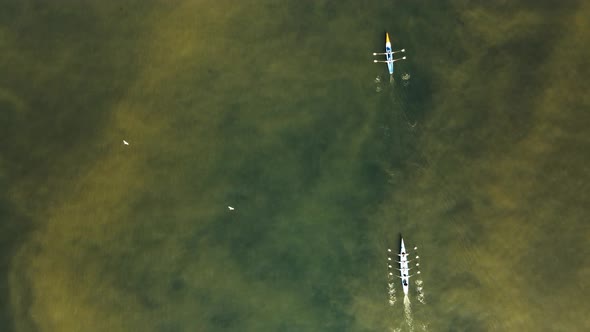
[273,108]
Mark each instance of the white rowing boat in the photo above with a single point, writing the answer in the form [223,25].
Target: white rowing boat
[404,268]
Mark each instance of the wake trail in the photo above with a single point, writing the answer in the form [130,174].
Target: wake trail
[408,313]
[399,98]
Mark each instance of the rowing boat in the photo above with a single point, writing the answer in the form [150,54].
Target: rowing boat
[404,268]
[389,55]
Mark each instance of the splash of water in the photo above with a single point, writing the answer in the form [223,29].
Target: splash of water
[390,280]
[406,79]
[420,291]
[377,81]
[391,293]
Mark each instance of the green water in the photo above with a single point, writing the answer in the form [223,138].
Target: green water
[480,159]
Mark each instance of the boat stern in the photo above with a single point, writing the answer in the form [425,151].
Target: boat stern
[406,289]
[390,67]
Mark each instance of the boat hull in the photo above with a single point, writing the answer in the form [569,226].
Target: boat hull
[389,54]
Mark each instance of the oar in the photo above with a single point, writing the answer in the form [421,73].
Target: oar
[402,50]
[375,61]
[410,276]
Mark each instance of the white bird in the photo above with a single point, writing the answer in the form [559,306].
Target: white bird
[230,208]
[125,142]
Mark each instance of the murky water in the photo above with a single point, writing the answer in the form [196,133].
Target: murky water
[476,153]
